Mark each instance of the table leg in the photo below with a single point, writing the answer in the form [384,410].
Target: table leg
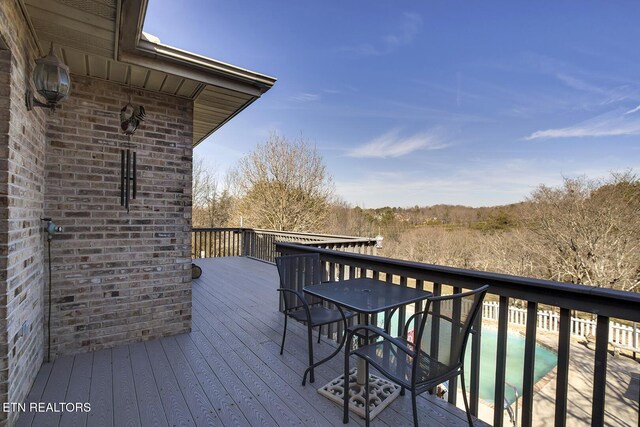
[361,369]
[360,377]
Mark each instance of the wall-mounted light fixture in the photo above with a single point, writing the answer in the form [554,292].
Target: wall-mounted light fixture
[51,80]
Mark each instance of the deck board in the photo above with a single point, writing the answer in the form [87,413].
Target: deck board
[79,387]
[56,386]
[227,372]
[101,392]
[125,406]
[252,408]
[147,396]
[176,409]
[272,377]
[228,410]
[35,394]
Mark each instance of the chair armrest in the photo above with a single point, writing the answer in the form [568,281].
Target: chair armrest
[378,331]
[301,298]
[297,293]
[406,324]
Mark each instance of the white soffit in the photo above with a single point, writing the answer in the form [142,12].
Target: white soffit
[86,35]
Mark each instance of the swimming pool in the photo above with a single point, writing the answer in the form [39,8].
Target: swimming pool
[545,361]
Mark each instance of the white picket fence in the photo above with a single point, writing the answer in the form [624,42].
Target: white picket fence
[621,336]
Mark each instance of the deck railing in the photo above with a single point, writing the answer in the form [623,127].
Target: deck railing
[604,304]
[260,243]
[216,242]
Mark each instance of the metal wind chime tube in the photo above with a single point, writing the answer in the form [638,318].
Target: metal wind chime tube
[130,118]
[128,174]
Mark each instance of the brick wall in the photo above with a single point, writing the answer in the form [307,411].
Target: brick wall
[118,277]
[22,143]
[5,91]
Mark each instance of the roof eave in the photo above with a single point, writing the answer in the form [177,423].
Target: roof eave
[134,48]
[179,62]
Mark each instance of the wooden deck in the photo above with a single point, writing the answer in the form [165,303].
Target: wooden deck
[227,371]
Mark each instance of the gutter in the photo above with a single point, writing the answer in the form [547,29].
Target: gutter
[139,50]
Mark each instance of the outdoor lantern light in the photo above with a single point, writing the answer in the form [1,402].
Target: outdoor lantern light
[51,80]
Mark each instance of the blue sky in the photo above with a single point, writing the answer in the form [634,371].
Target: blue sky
[420,103]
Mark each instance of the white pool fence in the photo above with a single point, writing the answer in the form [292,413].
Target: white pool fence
[621,336]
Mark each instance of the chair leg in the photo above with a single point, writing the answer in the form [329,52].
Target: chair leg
[345,414]
[464,397]
[310,339]
[414,406]
[366,392]
[319,333]
[284,333]
[329,357]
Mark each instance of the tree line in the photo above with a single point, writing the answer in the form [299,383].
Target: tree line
[584,231]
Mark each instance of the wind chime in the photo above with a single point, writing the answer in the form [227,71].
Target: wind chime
[130,118]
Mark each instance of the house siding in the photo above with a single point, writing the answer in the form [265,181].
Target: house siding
[22,142]
[118,276]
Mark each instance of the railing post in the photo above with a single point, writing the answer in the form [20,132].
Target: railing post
[501,362]
[529,364]
[435,324]
[600,371]
[562,379]
[455,333]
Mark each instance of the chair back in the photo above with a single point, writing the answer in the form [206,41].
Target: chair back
[445,328]
[296,272]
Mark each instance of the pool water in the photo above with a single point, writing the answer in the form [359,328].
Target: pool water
[545,361]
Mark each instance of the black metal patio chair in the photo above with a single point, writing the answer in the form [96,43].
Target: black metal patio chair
[435,355]
[296,272]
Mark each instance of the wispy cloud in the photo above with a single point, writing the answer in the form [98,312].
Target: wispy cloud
[406,31]
[603,94]
[614,123]
[567,86]
[305,97]
[409,29]
[391,144]
[633,110]
[579,84]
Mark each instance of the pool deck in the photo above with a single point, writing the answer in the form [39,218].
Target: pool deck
[622,401]
[622,394]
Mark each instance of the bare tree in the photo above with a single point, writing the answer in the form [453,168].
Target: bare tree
[212,203]
[587,231]
[284,185]
[346,220]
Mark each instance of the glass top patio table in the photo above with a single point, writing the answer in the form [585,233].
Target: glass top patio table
[366,295]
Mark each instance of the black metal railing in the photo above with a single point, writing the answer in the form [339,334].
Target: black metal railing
[602,303]
[261,244]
